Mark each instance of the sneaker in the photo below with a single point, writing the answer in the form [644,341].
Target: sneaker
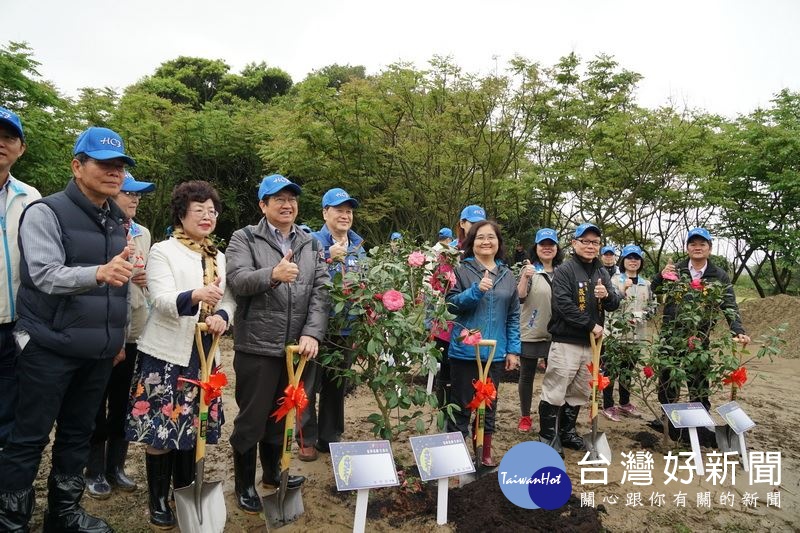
[629,410]
[611,413]
[525,424]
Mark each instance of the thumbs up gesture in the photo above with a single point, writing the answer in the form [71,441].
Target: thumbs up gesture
[600,291]
[209,294]
[116,272]
[486,282]
[285,271]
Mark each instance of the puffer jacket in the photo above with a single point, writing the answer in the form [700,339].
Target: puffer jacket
[270,316]
[494,312]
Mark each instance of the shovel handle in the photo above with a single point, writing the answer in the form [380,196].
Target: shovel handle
[291,417]
[597,347]
[483,374]
[206,363]
[294,373]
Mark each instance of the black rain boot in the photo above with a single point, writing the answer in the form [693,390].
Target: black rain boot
[548,425]
[183,468]
[271,463]
[96,484]
[16,508]
[569,437]
[244,469]
[115,465]
[159,475]
[64,513]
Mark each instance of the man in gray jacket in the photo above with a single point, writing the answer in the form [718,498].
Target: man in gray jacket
[279,279]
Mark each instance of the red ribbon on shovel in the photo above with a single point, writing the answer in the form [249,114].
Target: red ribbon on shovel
[738,377]
[293,398]
[213,386]
[483,391]
[602,381]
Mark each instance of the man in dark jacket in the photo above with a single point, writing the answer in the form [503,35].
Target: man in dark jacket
[279,280]
[697,267]
[582,292]
[72,312]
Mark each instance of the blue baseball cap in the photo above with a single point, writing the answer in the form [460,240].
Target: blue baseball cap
[445,233]
[473,213]
[336,197]
[102,144]
[305,228]
[129,184]
[586,226]
[698,232]
[546,234]
[11,119]
[396,236]
[275,183]
[608,249]
[632,249]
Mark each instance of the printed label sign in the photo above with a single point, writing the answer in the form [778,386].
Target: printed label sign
[441,455]
[736,418]
[363,465]
[687,415]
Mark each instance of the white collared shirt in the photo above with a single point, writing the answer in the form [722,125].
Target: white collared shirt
[697,274]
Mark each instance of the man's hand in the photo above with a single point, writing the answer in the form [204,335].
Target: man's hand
[600,291]
[285,271]
[210,294]
[120,357]
[742,339]
[486,282]
[116,272]
[216,324]
[140,279]
[597,331]
[309,346]
[512,361]
[337,250]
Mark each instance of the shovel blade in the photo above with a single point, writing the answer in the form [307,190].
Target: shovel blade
[212,508]
[283,507]
[598,446]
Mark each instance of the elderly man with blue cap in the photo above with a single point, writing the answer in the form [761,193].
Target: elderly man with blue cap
[14,197]
[582,293]
[280,281]
[343,250]
[72,308]
[697,266]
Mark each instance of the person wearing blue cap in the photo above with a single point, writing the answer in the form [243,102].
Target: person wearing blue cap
[444,237]
[608,255]
[343,251]
[106,466]
[469,216]
[697,266]
[14,196]
[637,305]
[582,293]
[535,295]
[279,278]
[72,312]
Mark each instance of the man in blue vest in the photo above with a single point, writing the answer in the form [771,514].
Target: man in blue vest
[72,313]
[14,197]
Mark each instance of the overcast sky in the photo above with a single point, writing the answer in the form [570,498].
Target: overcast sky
[726,57]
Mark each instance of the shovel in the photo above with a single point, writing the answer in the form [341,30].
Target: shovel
[596,443]
[200,507]
[480,417]
[285,505]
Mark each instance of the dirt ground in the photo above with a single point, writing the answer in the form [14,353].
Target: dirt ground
[769,397]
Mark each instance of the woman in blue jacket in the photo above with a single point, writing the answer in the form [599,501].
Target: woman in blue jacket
[483,298]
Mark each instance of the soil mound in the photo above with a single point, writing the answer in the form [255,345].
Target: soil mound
[481,506]
[759,315]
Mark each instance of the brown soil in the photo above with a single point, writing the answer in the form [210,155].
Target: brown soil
[769,398]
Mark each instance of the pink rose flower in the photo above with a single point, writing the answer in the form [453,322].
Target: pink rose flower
[693,342]
[416,259]
[470,337]
[696,284]
[671,276]
[393,300]
[140,408]
[443,278]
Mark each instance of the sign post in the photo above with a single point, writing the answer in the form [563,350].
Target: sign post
[692,416]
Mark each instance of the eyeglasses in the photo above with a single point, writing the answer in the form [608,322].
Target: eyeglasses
[132,194]
[283,200]
[588,242]
[203,213]
[486,237]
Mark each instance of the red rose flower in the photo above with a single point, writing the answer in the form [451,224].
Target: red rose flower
[696,284]
[648,372]
[693,342]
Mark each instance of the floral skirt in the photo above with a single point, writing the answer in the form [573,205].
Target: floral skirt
[164,413]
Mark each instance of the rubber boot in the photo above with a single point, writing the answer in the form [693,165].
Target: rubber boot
[95,475]
[487,459]
[271,465]
[159,475]
[244,468]
[570,437]
[64,513]
[549,425]
[16,508]
[115,465]
[183,468]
